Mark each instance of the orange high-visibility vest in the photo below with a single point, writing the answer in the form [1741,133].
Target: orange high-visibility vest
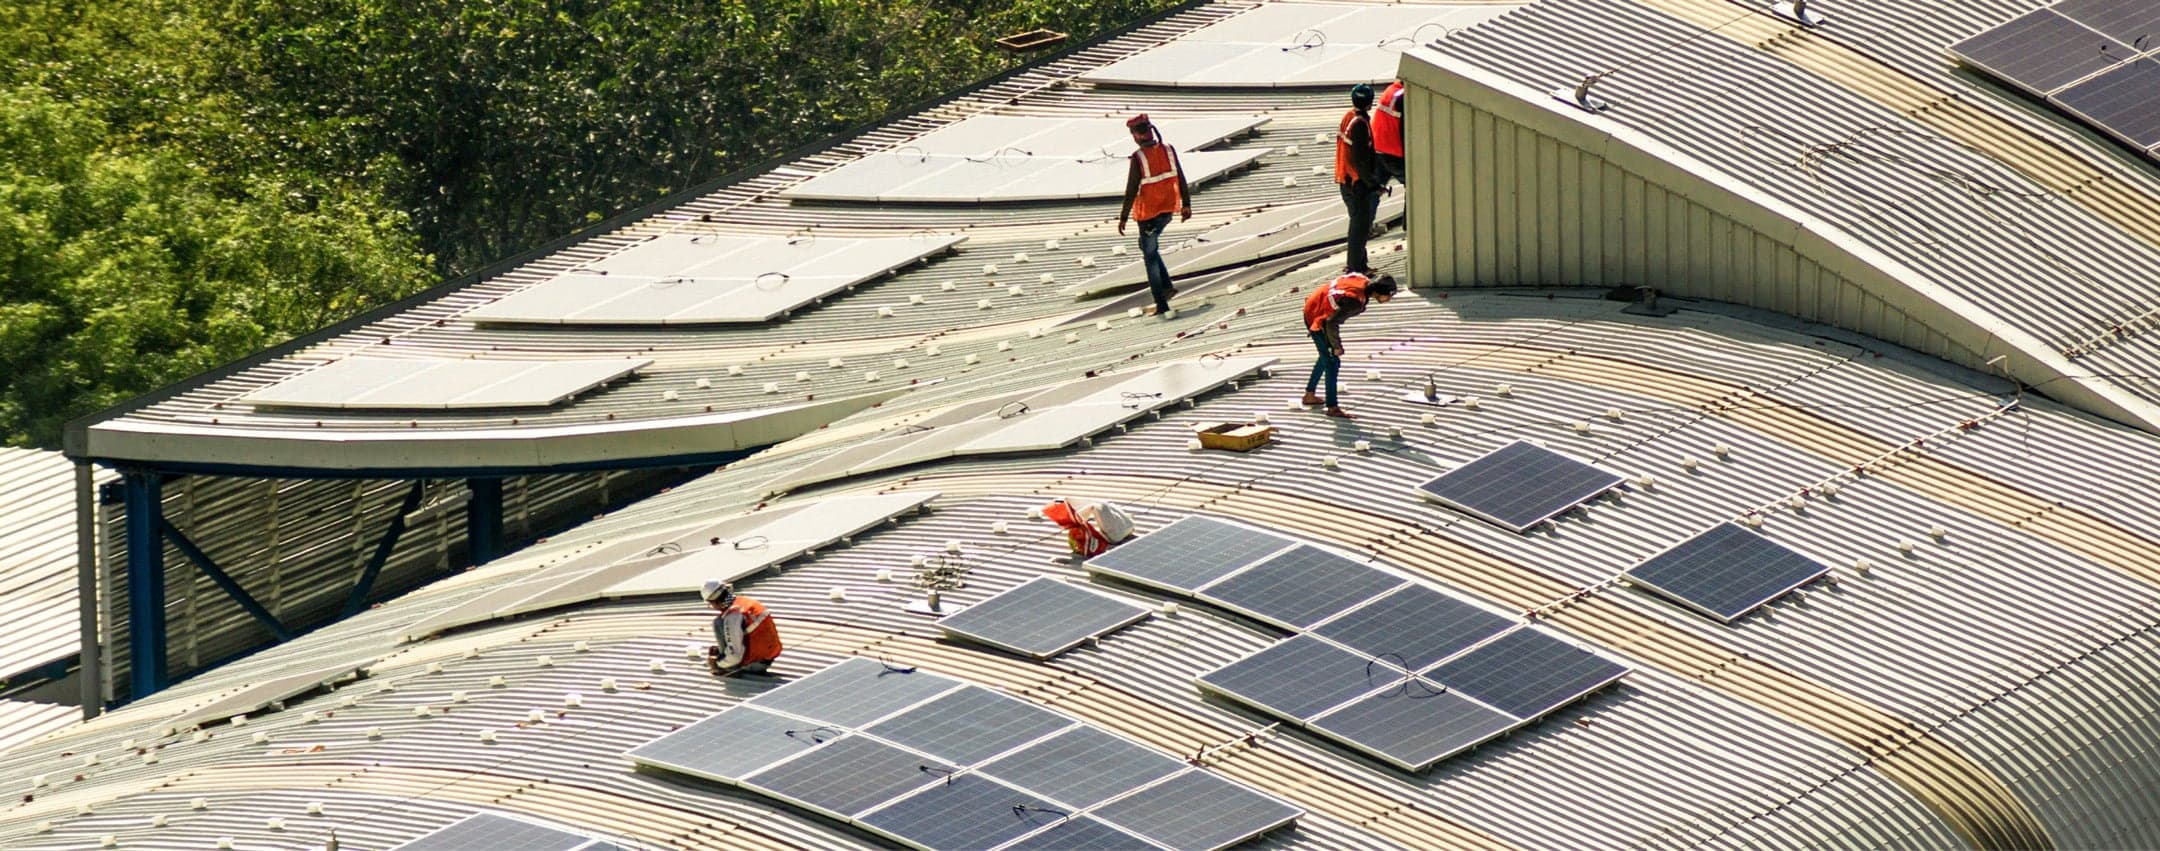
[1387,121]
[1158,183]
[761,639]
[1345,296]
[1344,171]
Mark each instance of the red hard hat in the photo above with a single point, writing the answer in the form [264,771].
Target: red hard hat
[1138,121]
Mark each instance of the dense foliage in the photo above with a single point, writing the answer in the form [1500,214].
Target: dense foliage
[183,182]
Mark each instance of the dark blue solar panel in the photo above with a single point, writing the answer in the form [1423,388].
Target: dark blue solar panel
[969,725]
[490,832]
[1415,725]
[1197,811]
[1726,572]
[1187,554]
[848,776]
[971,811]
[1042,617]
[1300,587]
[1414,627]
[1519,485]
[1299,678]
[1080,834]
[733,744]
[854,692]
[1083,767]
[2125,20]
[1527,673]
[2042,51]
[2125,101]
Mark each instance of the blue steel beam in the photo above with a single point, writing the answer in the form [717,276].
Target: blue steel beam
[224,580]
[484,520]
[143,494]
[359,598]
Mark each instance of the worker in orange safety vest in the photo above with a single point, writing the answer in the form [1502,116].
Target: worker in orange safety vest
[1387,131]
[1325,311]
[1358,174]
[746,640]
[1155,188]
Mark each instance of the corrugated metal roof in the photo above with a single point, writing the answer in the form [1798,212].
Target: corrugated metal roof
[37,560]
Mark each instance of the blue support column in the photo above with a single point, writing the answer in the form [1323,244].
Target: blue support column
[144,495]
[484,520]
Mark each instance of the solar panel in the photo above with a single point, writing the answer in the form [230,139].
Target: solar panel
[399,384]
[1084,833]
[2125,101]
[491,832]
[1082,767]
[1527,673]
[2042,51]
[1414,627]
[2126,20]
[1188,554]
[1726,572]
[1198,811]
[1042,617]
[1299,677]
[1518,485]
[970,811]
[854,692]
[968,726]
[1299,587]
[1414,725]
[849,776]
[732,745]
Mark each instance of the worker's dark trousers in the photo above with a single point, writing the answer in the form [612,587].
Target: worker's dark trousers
[1327,366]
[1363,205]
[1393,165]
[1158,274]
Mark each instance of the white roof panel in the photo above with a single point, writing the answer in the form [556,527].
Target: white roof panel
[1008,178]
[668,254]
[371,383]
[1296,44]
[986,135]
[1264,234]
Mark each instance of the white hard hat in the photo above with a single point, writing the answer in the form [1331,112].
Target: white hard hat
[713,589]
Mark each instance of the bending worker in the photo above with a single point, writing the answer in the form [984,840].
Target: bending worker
[1154,188]
[1357,171]
[1387,132]
[745,638]
[1325,311]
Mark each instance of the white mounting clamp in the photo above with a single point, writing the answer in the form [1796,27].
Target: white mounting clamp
[1797,11]
[1580,96]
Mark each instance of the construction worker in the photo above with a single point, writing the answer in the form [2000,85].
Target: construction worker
[1325,311]
[746,641]
[1387,129]
[1154,189]
[1357,171]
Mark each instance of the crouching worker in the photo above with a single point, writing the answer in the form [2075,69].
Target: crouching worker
[746,640]
[1090,527]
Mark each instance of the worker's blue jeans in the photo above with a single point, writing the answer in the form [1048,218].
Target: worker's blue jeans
[1328,365]
[1158,274]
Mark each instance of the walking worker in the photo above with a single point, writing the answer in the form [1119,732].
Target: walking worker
[746,641]
[1325,311]
[1387,129]
[1357,171]
[1154,189]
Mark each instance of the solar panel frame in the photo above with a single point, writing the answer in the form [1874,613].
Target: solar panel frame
[969,725]
[967,811]
[486,831]
[1042,618]
[1079,833]
[1516,462]
[1230,545]
[1414,726]
[866,692]
[2041,51]
[1299,677]
[1415,625]
[1299,587]
[1526,673]
[2122,20]
[2121,101]
[1082,766]
[847,777]
[1195,810]
[1678,572]
[734,744]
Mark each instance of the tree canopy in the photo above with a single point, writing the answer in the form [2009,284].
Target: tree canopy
[185,182]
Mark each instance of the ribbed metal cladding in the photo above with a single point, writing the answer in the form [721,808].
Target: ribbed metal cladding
[1516,206]
[37,560]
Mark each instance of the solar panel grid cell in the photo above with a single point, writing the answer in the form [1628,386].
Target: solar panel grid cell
[1082,767]
[1300,587]
[1726,572]
[1415,725]
[970,725]
[1079,834]
[1188,554]
[2125,100]
[2124,20]
[850,775]
[489,832]
[1526,673]
[1197,811]
[733,744]
[1042,617]
[1519,485]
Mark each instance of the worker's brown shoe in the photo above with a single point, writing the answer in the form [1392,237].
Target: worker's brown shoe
[1311,399]
[1340,413]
